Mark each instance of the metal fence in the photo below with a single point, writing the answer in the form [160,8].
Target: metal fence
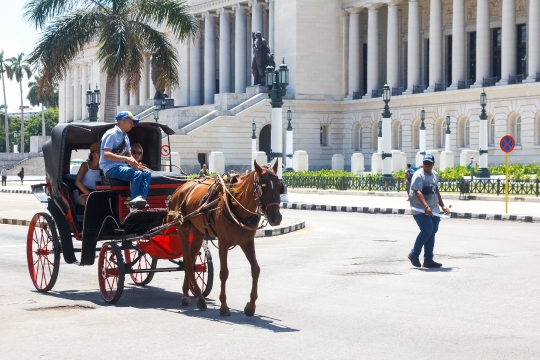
[477,186]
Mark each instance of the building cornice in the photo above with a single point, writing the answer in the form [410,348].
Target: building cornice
[198,6]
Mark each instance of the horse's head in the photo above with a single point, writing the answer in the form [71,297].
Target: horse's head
[271,188]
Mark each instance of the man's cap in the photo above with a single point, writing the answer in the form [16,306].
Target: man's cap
[94,147]
[472,157]
[126,114]
[430,158]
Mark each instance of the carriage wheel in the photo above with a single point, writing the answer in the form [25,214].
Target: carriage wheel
[43,252]
[204,271]
[111,272]
[145,262]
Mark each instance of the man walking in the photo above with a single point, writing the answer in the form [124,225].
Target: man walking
[4,175]
[407,180]
[425,202]
[472,167]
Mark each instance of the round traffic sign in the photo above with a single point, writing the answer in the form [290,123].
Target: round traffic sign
[507,143]
[165,150]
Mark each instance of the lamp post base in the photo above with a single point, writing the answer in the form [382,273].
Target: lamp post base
[483,173]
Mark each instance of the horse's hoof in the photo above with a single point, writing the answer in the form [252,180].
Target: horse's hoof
[186,301]
[249,311]
[201,304]
[224,311]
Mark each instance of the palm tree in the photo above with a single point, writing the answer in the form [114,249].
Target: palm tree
[48,97]
[123,30]
[17,68]
[2,72]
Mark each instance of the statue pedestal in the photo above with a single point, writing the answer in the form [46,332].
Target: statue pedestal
[256,89]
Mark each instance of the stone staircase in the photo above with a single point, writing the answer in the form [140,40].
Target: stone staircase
[32,166]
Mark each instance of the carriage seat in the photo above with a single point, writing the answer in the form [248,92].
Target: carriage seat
[157,179]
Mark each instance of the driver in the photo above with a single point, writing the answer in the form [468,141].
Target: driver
[117,162]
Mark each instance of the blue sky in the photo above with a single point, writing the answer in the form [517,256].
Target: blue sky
[16,36]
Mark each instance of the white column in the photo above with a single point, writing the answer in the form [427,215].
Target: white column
[422,139]
[240,49]
[447,142]
[124,95]
[69,96]
[435,44]
[458,43]
[76,93]
[61,103]
[354,52]
[483,54]
[387,145]
[143,85]
[271,23]
[181,95]
[224,51]
[509,40]
[533,53]
[413,46]
[209,57]
[276,143]
[195,77]
[379,145]
[84,88]
[392,45]
[373,49]
[256,16]
[483,139]
[290,152]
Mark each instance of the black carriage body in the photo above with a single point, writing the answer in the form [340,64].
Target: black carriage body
[105,217]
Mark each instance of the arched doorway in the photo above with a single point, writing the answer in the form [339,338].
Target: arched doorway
[265,137]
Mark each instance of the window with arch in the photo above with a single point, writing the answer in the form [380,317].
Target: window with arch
[518,130]
[375,136]
[396,134]
[416,134]
[357,137]
[467,133]
[491,130]
[400,136]
[439,131]
[537,129]
[443,134]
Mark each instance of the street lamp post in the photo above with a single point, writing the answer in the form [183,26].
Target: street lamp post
[288,160]
[15,150]
[156,113]
[253,140]
[422,132]
[93,100]
[447,135]
[386,135]
[277,81]
[483,171]
[379,138]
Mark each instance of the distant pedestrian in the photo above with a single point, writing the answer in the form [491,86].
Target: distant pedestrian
[472,167]
[425,202]
[21,175]
[204,171]
[407,179]
[4,176]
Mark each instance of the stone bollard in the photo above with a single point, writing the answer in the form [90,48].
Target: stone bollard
[216,163]
[447,160]
[175,157]
[403,160]
[260,157]
[396,160]
[338,162]
[300,161]
[376,163]
[357,163]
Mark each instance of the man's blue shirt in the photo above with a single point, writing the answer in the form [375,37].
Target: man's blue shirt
[118,142]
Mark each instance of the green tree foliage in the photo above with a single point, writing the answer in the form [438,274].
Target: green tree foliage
[33,128]
[48,97]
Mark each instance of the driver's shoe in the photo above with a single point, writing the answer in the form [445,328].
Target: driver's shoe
[139,202]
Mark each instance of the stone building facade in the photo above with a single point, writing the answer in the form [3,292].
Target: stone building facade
[435,54]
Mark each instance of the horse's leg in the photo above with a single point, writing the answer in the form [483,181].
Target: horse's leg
[196,244]
[183,232]
[249,251]
[223,276]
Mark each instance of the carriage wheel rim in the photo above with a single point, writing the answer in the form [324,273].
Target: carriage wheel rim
[108,265]
[40,252]
[144,263]
[200,276]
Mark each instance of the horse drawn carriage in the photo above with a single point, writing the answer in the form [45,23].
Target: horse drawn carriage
[130,242]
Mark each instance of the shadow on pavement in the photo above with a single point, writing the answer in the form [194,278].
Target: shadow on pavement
[150,297]
[443,269]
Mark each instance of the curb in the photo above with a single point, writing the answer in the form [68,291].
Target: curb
[281,230]
[16,191]
[19,222]
[391,211]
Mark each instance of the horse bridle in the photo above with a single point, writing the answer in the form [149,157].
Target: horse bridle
[257,191]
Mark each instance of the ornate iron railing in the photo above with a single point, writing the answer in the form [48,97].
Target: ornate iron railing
[490,81]
[515,79]
[537,78]
[396,91]
[464,84]
[440,87]
[418,89]
[373,183]
[375,93]
[356,95]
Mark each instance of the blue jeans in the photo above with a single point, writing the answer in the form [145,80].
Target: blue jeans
[140,179]
[428,228]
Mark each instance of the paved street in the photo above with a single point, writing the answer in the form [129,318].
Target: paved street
[341,288]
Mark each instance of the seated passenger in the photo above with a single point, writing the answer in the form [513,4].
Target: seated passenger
[117,161]
[87,177]
[137,152]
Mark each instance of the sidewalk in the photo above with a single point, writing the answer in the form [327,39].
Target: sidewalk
[396,203]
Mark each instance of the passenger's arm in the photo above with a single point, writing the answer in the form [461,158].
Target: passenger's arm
[78,180]
[109,155]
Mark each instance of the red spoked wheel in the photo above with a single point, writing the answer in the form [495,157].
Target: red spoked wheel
[145,262]
[111,272]
[204,271]
[43,252]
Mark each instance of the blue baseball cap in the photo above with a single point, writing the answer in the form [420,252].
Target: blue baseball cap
[126,114]
[429,158]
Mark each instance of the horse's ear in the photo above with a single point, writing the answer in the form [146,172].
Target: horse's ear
[257,167]
[275,167]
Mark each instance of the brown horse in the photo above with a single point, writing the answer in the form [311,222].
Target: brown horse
[234,220]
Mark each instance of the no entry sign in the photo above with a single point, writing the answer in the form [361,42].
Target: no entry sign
[165,150]
[507,143]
